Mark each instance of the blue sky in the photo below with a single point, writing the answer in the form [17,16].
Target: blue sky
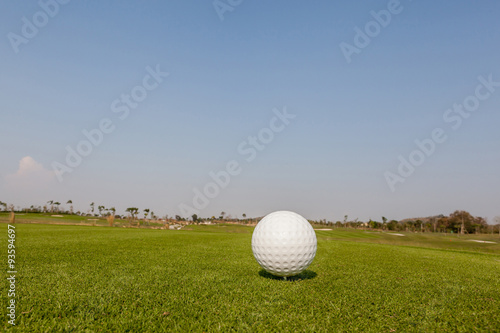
[225,78]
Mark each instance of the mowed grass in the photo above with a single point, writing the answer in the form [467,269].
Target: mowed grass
[81,278]
[45,217]
[429,240]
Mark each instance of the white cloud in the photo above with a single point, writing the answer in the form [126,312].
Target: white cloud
[30,175]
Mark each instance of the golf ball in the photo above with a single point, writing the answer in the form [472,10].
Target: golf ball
[284,243]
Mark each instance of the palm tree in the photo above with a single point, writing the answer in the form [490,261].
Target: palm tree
[100,209]
[146,212]
[92,207]
[384,221]
[70,202]
[57,206]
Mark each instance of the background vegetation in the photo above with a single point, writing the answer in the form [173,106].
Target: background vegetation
[457,222]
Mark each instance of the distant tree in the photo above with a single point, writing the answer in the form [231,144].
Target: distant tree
[476,227]
[480,224]
[497,220]
[146,212]
[178,218]
[433,222]
[57,205]
[132,211]
[92,207]
[51,203]
[392,225]
[419,224]
[194,217]
[244,215]
[113,210]
[70,202]
[222,215]
[374,224]
[100,209]
[461,221]
[384,221]
[3,205]
[409,225]
[443,223]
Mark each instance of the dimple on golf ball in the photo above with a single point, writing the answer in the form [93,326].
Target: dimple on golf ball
[284,243]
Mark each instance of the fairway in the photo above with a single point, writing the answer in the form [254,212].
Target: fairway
[76,278]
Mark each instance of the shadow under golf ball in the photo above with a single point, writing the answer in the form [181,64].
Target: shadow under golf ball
[305,275]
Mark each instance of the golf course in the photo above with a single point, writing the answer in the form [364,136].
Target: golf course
[204,278]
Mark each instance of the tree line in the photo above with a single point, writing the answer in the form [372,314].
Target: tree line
[459,221]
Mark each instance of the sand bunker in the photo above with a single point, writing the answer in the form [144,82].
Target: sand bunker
[481,241]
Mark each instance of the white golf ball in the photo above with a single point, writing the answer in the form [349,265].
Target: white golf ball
[284,243]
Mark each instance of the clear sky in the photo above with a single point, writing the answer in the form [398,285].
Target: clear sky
[355,84]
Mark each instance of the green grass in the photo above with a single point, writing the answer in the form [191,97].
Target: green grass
[428,240]
[68,219]
[47,218]
[81,278]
